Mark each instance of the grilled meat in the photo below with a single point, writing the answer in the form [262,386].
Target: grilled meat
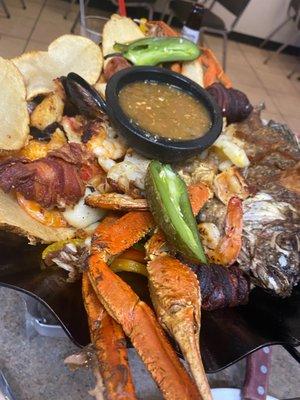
[72,153]
[51,181]
[222,287]
[115,64]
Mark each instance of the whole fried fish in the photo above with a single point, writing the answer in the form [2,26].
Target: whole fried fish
[271,232]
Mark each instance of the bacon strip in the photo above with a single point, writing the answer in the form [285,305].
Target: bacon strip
[51,181]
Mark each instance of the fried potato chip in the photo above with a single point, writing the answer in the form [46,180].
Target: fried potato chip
[77,54]
[68,53]
[14,117]
[119,30]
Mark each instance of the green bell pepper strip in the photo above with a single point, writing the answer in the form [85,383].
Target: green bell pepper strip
[169,203]
[153,51]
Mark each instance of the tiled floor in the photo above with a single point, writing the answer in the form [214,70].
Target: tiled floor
[42,21]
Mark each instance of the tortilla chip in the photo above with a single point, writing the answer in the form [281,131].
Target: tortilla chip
[14,117]
[68,53]
[16,220]
[119,30]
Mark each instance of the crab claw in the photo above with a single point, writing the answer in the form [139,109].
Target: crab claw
[109,341]
[198,193]
[116,202]
[175,294]
[136,318]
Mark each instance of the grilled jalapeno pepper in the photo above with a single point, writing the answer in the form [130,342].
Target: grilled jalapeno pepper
[169,203]
[152,51]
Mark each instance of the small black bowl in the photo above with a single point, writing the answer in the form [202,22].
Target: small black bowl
[164,149]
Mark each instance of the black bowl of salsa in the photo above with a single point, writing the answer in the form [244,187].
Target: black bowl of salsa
[146,128]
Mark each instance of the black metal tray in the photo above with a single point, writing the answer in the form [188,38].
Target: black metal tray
[227,335]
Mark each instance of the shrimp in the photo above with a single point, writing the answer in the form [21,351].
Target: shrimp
[105,143]
[230,183]
[129,173]
[229,246]
[73,127]
[98,136]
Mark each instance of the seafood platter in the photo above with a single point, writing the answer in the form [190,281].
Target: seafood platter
[142,198]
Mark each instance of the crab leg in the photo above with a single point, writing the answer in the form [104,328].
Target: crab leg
[108,339]
[199,193]
[175,294]
[116,201]
[136,318]
[214,71]
[115,235]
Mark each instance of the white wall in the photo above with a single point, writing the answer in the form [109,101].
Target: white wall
[261,17]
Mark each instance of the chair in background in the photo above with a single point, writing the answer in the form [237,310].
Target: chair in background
[293,15]
[5,9]
[82,5]
[23,4]
[146,4]
[211,22]
[69,8]
[292,72]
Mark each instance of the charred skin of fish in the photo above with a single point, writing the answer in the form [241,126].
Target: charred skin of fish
[271,242]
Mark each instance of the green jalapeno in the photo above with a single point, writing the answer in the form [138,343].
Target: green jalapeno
[153,51]
[169,203]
